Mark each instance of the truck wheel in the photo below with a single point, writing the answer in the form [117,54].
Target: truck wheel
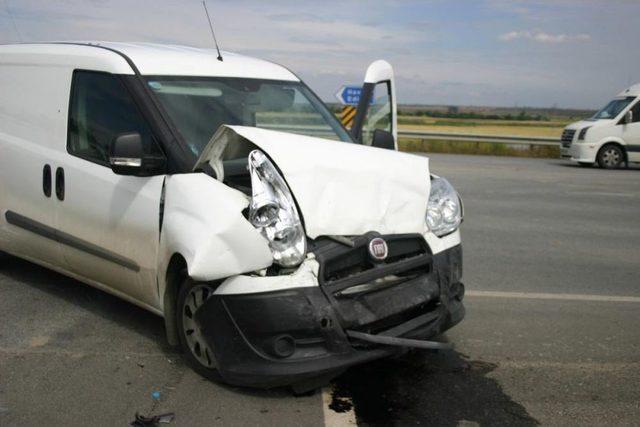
[197,353]
[611,156]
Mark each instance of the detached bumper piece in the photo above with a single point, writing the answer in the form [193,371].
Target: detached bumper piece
[361,311]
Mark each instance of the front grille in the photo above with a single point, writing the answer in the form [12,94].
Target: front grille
[567,137]
[343,266]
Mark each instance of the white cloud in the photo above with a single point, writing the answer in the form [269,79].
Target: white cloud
[542,37]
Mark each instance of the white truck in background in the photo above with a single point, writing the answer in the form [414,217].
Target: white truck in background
[611,138]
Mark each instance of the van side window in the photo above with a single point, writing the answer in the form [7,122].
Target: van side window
[101,109]
[636,113]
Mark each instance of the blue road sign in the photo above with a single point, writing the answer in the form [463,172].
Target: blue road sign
[349,95]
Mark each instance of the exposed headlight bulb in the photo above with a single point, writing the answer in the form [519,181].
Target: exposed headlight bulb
[274,212]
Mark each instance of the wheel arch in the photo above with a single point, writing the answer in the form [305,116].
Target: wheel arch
[176,273]
[617,143]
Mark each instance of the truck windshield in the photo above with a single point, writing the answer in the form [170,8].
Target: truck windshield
[613,108]
[199,105]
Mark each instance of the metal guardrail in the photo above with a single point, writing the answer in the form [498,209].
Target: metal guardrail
[495,139]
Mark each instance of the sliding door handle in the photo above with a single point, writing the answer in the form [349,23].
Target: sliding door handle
[46,180]
[60,183]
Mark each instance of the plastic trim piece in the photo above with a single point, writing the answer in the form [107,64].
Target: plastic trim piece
[66,239]
[401,342]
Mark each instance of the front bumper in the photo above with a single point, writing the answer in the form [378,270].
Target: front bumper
[298,335]
[579,152]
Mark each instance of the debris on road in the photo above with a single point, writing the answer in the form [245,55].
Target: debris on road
[153,420]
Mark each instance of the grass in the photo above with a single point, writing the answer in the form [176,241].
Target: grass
[547,129]
[479,148]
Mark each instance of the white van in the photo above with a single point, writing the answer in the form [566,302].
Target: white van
[610,138]
[276,257]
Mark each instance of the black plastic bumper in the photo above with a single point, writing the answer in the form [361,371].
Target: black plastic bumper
[294,336]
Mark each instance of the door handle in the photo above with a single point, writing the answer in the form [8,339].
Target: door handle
[60,183]
[46,180]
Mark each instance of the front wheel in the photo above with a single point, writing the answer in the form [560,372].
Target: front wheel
[610,156]
[197,352]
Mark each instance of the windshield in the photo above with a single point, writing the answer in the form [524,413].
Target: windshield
[613,108]
[199,105]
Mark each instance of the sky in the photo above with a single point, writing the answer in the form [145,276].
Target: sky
[569,54]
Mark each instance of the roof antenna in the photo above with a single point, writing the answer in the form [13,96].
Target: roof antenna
[6,6]
[212,33]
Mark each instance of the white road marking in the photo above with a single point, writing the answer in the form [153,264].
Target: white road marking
[552,296]
[333,418]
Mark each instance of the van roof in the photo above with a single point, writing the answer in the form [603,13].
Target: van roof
[149,58]
[631,91]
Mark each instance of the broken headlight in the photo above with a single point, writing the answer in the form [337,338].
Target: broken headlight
[274,213]
[444,210]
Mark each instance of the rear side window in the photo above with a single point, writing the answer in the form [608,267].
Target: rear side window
[101,109]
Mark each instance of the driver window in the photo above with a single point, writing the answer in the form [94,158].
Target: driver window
[636,113]
[379,115]
[101,109]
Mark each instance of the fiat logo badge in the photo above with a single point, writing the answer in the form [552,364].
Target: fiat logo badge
[378,249]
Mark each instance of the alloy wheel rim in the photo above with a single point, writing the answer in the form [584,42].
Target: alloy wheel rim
[192,332]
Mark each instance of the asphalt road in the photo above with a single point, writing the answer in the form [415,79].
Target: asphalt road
[552,267]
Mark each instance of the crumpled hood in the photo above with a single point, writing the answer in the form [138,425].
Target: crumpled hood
[340,188]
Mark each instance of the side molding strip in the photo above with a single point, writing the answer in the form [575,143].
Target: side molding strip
[68,240]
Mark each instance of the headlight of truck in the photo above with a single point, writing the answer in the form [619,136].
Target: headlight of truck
[274,213]
[583,133]
[444,210]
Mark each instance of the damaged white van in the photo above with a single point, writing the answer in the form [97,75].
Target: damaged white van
[224,196]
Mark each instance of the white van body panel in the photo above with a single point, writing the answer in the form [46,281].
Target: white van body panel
[63,56]
[203,222]
[155,60]
[119,214]
[633,90]
[33,124]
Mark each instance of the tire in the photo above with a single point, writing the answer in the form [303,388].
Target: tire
[585,164]
[611,156]
[196,352]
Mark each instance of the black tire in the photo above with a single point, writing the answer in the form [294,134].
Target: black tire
[611,156]
[195,351]
[585,164]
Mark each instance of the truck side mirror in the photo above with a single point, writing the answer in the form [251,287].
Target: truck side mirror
[383,139]
[127,157]
[628,117]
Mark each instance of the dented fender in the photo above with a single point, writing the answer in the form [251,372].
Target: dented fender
[203,222]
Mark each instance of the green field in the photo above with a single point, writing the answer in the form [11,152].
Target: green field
[547,129]
[502,121]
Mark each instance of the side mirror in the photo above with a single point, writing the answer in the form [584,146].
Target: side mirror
[628,117]
[127,157]
[383,139]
